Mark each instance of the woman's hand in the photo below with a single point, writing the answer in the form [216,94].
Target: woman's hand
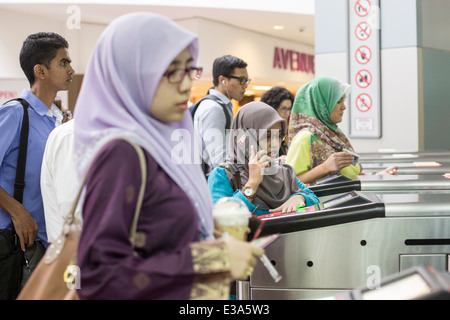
[243,257]
[256,165]
[338,161]
[291,205]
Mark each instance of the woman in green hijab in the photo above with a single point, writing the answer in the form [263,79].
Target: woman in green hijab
[317,145]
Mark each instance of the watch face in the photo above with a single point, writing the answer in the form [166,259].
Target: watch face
[248,192]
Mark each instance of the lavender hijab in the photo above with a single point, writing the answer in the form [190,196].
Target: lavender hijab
[122,76]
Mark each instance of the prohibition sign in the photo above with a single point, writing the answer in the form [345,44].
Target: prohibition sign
[363,7]
[363,31]
[363,55]
[363,102]
[363,79]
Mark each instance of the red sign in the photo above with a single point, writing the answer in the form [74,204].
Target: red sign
[363,55]
[363,7]
[364,102]
[363,31]
[363,78]
[8,95]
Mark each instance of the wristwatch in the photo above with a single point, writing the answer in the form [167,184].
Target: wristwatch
[248,192]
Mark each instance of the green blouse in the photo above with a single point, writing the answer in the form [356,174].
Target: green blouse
[299,155]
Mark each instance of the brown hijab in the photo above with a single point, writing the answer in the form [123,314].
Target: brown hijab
[252,123]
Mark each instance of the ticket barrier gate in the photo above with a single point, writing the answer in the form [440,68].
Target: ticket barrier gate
[405,157]
[334,184]
[394,156]
[425,162]
[411,168]
[416,283]
[344,242]
[404,154]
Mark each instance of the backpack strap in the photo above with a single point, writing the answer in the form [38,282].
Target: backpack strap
[220,102]
[193,110]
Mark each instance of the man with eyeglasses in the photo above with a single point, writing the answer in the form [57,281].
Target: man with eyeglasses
[214,115]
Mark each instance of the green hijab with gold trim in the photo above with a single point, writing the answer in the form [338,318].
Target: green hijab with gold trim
[318,98]
[311,111]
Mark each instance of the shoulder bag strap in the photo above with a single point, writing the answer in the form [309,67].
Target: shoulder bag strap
[71,216]
[143,164]
[71,223]
[19,182]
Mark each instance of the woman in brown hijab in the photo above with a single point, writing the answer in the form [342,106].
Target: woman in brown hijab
[253,147]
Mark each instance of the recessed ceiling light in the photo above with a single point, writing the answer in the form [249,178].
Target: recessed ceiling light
[278,27]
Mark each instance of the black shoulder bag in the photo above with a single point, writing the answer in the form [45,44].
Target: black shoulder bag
[11,255]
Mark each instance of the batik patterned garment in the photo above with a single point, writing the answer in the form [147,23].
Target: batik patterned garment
[316,143]
[311,112]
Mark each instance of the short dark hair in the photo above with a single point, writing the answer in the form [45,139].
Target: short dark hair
[225,65]
[276,95]
[39,48]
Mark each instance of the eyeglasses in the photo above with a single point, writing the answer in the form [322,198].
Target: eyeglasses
[242,80]
[177,75]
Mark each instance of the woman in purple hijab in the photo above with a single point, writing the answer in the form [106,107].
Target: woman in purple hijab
[137,86]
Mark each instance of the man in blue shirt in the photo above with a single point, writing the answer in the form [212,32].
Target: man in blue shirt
[45,60]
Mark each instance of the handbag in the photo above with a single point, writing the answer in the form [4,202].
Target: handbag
[57,276]
[11,255]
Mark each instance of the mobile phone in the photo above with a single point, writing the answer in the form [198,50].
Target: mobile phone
[355,156]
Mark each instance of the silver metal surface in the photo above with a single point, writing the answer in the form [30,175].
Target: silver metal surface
[396,185]
[394,160]
[408,169]
[290,294]
[405,154]
[435,261]
[388,183]
[347,256]
[318,262]
[243,290]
